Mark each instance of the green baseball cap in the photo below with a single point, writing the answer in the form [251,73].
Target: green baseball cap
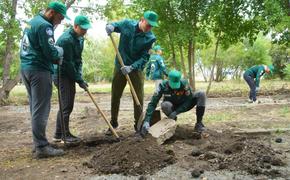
[174,79]
[83,22]
[157,47]
[58,7]
[152,18]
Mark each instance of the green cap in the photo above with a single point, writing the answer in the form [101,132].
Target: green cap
[271,67]
[174,79]
[152,18]
[58,7]
[157,47]
[83,22]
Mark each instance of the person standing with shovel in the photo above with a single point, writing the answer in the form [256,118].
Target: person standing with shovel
[38,53]
[72,42]
[136,39]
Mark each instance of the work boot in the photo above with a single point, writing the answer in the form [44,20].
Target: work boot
[114,124]
[199,127]
[69,138]
[47,151]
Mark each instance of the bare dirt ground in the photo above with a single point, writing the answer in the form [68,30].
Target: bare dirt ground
[224,154]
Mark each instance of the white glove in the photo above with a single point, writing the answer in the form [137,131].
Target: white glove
[59,50]
[257,89]
[109,28]
[145,128]
[126,69]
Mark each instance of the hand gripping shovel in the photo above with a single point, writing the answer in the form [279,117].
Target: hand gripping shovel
[140,120]
[103,115]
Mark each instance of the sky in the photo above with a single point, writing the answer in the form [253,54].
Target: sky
[98,26]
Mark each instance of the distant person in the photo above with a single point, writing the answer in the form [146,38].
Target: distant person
[136,39]
[177,98]
[156,68]
[72,42]
[252,77]
[38,53]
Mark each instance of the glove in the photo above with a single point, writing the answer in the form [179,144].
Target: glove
[257,89]
[173,115]
[109,28]
[126,69]
[60,55]
[60,51]
[84,85]
[145,128]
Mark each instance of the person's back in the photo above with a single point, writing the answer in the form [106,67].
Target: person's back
[35,53]
[155,67]
[255,70]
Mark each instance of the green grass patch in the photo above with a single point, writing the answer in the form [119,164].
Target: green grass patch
[218,117]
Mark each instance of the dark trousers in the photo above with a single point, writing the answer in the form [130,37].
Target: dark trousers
[68,91]
[251,83]
[118,84]
[198,100]
[39,88]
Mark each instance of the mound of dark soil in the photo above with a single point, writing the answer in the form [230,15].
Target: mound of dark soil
[133,156]
[243,153]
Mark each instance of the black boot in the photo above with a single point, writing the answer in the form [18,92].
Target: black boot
[199,126]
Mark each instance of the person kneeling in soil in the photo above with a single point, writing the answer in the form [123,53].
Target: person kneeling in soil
[252,77]
[178,98]
[72,42]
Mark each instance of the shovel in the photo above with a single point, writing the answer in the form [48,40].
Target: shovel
[140,120]
[103,115]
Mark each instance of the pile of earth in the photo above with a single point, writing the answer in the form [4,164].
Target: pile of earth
[132,156]
[251,154]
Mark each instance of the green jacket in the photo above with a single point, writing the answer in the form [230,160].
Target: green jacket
[155,67]
[72,59]
[180,98]
[256,72]
[37,51]
[134,44]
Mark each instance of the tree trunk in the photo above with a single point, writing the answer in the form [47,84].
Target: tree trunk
[9,84]
[182,62]
[193,63]
[189,58]
[6,87]
[219,71]
[172,50]
[214,63]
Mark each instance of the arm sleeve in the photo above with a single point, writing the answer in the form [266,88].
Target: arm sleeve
[72,70]
[118,25]
[259,75]
[148,67]
[152,105]
[162,66]
[46,41]
[140,63]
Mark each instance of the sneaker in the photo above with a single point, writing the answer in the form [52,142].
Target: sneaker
[47,151]
[199,127]
[250,101]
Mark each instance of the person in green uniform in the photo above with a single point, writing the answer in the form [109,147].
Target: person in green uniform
[136,39]
[252,77]
[38,52]
[156,67]
[72,42]
[177,98]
